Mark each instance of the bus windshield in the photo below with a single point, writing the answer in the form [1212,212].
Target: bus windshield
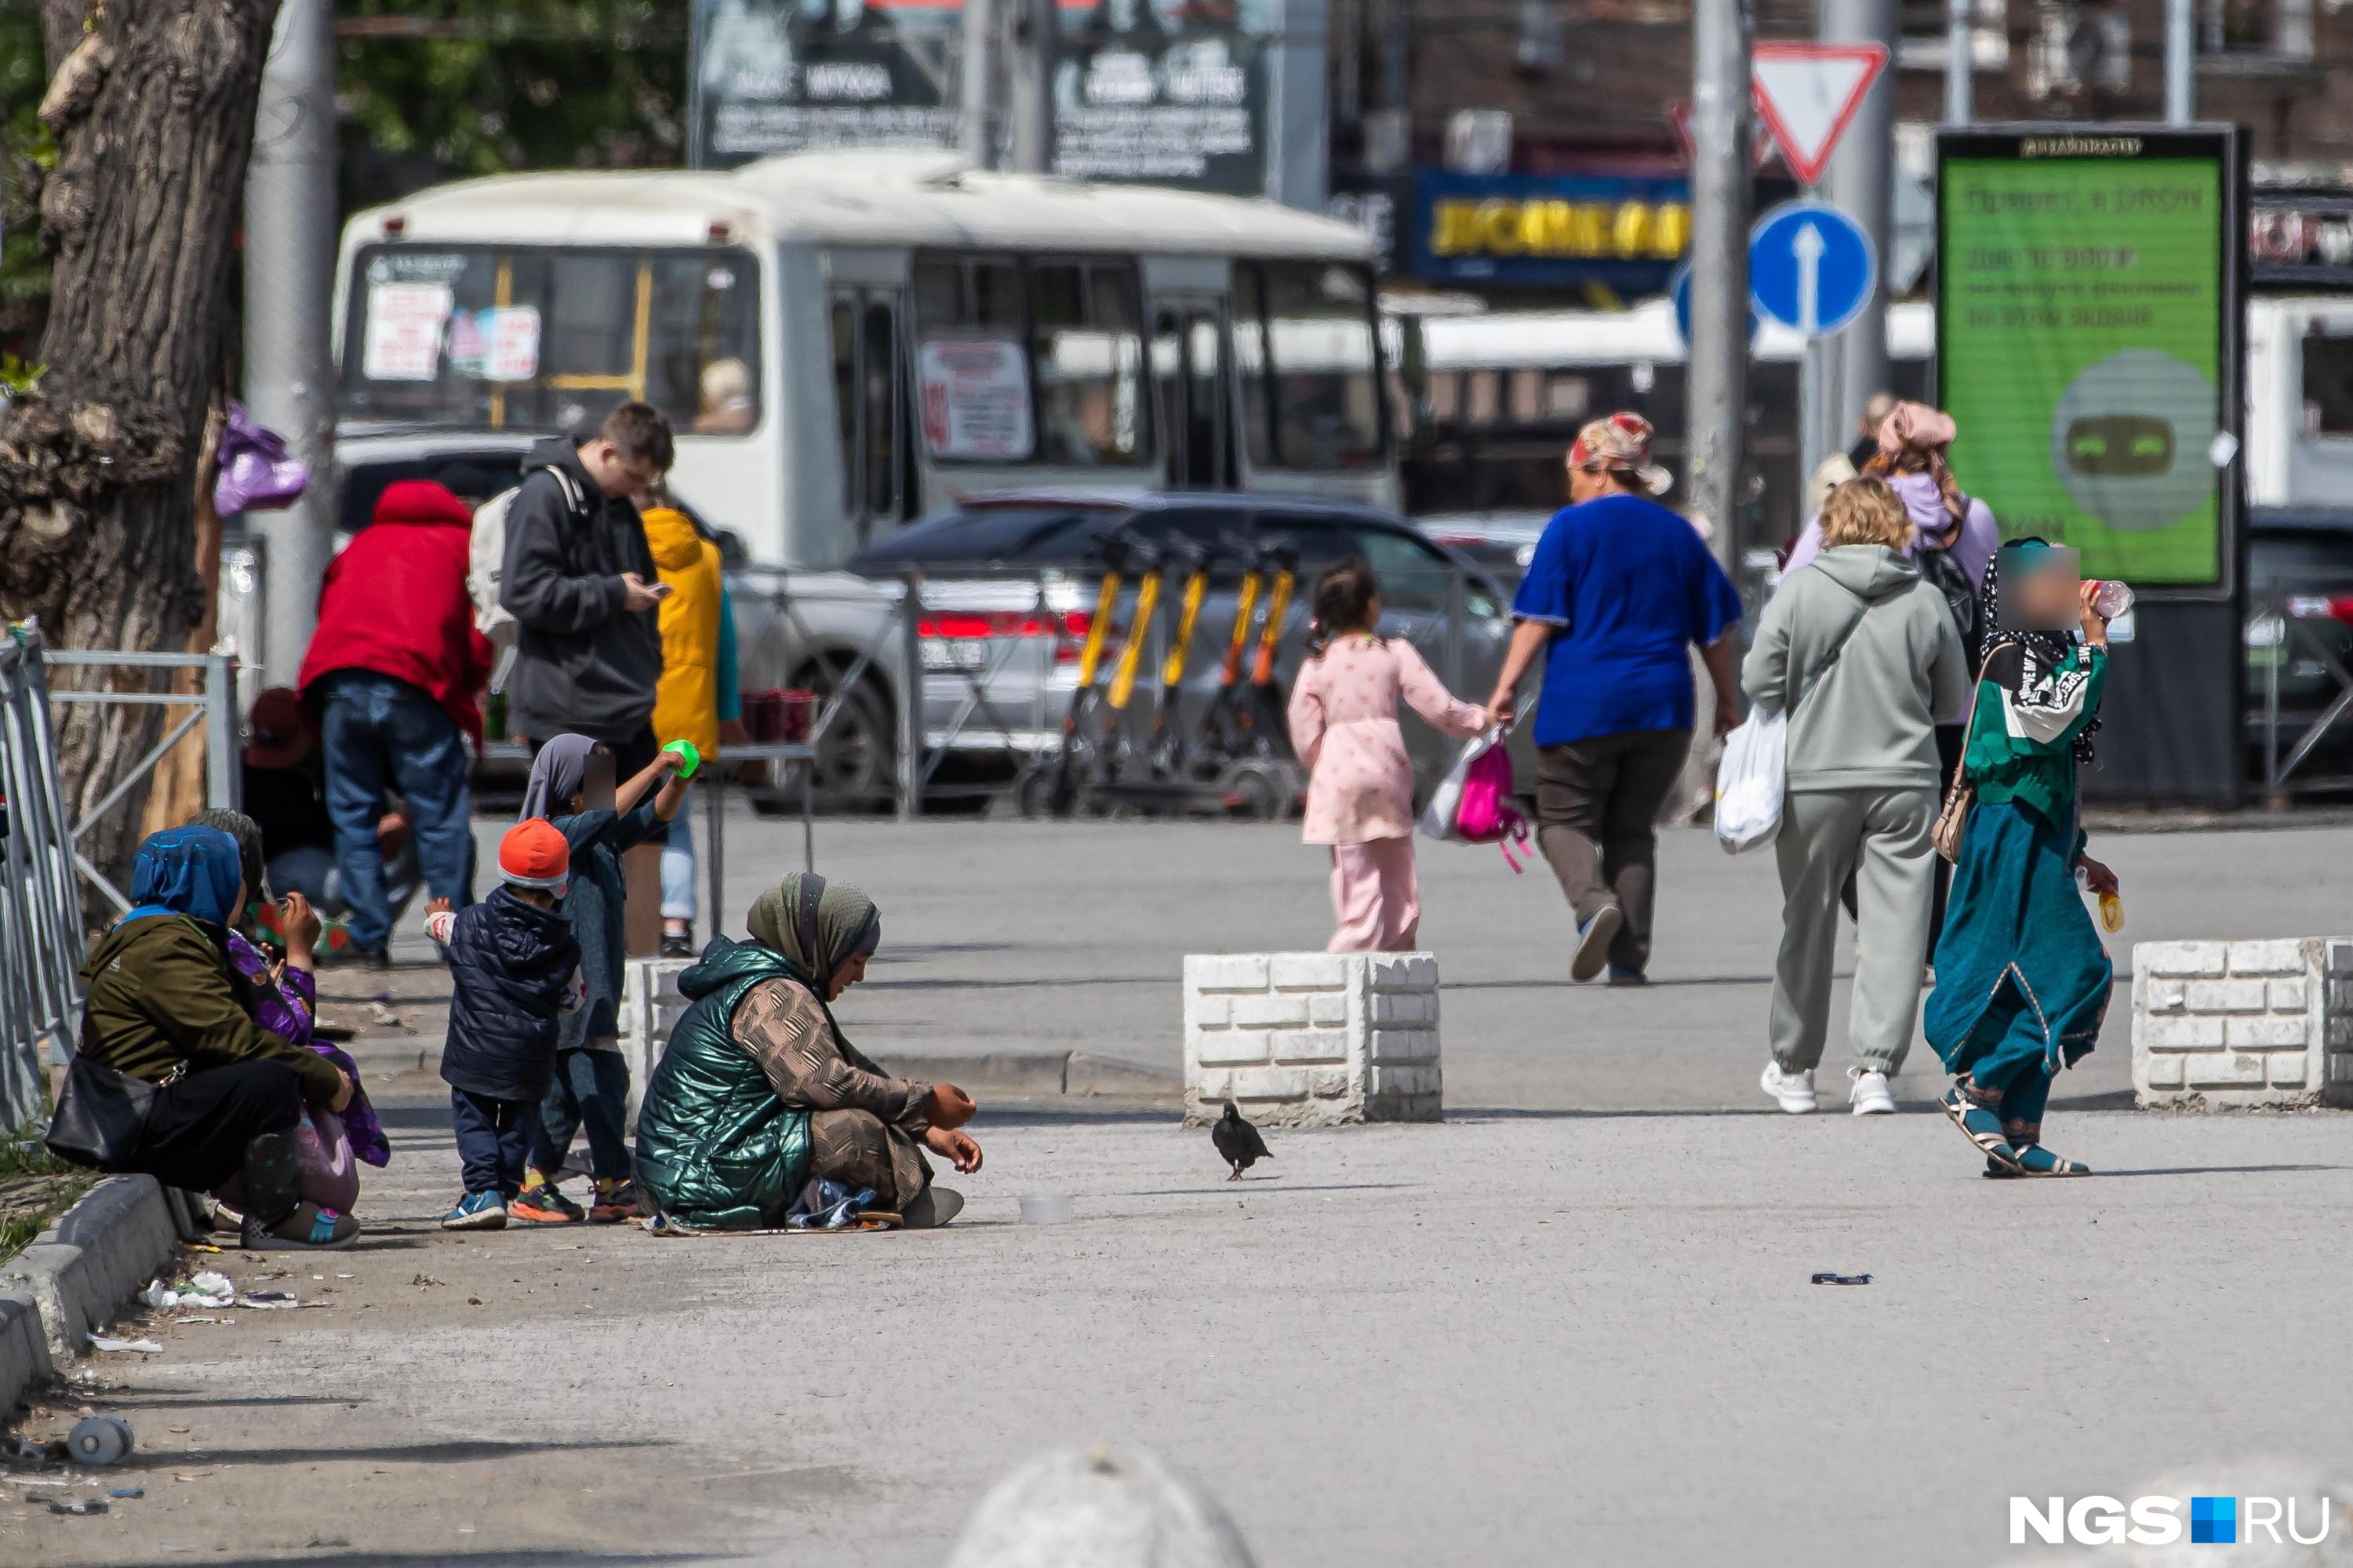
[540,337]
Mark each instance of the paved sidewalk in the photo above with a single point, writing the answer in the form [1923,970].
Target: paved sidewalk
[1510,1338]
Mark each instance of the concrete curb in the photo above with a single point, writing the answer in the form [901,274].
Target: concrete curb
[1042,1074]
[76,1274]
[1002,1075]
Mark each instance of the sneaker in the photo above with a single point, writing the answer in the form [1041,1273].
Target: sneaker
[1621,974]
[615,1201]
[545,1204]
[678,944]
[1593,939]
[309,1228]
[1794,1090]
[477,1211]
[1870,1094]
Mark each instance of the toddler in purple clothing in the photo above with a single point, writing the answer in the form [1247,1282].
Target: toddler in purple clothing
[285,1003]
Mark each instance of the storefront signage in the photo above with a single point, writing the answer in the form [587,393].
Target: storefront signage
[1550,230]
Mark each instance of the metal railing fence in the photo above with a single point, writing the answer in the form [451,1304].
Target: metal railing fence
[40,910]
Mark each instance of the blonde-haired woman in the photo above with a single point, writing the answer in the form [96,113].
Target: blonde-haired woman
[1862,656]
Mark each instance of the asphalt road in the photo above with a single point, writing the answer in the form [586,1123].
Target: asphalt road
[1573,1323]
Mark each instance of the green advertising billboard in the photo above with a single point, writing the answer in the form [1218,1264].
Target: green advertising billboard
[2087,344]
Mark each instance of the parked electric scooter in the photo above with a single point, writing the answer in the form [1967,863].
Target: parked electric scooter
[1090,728]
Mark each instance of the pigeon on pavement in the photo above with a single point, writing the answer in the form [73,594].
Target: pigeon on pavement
[1238,1142]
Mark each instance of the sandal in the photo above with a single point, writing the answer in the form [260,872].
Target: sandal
[2033,1159]
[1981,1125]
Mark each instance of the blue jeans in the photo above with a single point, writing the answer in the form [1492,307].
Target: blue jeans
[678,871]
[591,1088]
[382,734]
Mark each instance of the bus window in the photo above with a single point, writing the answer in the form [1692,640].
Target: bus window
[549,337]
[1086,353]
[870,407]
[880,372]
[845,397]
[1250,356]
[1325,367]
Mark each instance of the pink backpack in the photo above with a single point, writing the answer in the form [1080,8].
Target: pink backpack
[1476,804]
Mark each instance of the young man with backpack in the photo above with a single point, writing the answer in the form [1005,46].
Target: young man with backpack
[579,582]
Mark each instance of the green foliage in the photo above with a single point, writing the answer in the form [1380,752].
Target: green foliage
[439,90]
[17,376]
[25,151]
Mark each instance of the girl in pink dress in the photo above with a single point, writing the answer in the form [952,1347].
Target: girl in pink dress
[1360,787]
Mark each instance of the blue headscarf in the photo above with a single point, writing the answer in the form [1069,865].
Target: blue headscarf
[185,871]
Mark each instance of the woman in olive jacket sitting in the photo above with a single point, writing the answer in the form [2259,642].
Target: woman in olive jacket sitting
[166,1006]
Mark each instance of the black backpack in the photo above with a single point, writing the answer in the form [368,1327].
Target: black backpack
[1960,594]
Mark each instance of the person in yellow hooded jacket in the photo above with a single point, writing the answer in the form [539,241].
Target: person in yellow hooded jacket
[699,700]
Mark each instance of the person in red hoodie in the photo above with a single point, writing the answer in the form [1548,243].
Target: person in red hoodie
[392,672]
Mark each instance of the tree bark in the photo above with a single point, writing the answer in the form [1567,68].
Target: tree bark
[151,105]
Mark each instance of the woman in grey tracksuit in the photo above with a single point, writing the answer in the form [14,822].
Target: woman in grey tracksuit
[1862,654]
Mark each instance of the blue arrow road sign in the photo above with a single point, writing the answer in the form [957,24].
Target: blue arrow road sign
[1811,267]
[1679,290]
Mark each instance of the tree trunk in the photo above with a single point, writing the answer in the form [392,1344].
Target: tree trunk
[152,104]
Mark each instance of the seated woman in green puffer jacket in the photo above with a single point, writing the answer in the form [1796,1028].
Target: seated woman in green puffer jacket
[758,1092]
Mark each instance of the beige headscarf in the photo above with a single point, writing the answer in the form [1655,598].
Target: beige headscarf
[817,925]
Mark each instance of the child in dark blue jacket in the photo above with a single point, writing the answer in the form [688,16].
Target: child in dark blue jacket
[514,966]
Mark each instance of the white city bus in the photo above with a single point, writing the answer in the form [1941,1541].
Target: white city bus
[845,340]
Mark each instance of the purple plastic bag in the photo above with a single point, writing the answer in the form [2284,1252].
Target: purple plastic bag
[256,473]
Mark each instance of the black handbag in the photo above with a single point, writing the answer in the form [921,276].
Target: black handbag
[101,1115]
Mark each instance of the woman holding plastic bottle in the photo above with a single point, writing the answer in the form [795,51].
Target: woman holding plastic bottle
[2022,981]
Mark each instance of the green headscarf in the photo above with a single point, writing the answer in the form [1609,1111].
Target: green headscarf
[817,925]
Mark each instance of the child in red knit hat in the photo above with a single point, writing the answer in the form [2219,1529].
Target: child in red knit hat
[515,966]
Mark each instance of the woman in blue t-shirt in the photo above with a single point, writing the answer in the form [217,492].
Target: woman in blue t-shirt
[1619,591]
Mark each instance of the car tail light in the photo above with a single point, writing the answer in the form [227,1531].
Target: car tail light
[2321,607]
[1069,628]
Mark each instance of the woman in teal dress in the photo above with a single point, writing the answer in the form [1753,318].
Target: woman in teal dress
[2022,979]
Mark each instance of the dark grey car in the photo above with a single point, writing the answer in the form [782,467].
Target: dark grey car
[1010,585]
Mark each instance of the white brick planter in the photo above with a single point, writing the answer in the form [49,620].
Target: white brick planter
[651,1005]
[2220,1025]
[1312,1039]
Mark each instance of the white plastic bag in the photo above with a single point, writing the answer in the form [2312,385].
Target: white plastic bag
[1750,783]
[1438,818]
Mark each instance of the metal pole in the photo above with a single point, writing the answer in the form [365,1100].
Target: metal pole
[290,267]
[715,846]
[1029,82]
[1957,64]
[1716,386]
[222,777]
[2180,62]
[978,107]
[1861,183]
[1292,161]
[911,698]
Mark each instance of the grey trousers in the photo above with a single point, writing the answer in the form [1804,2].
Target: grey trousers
[1881,835]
